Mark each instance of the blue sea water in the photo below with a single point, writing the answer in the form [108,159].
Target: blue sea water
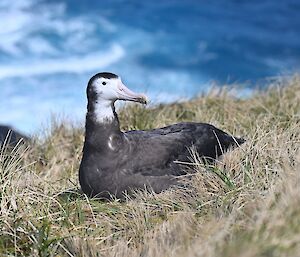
[170,49]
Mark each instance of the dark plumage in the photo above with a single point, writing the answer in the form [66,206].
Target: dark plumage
[114,162]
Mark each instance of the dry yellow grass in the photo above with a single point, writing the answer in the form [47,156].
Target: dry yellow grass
[247,204]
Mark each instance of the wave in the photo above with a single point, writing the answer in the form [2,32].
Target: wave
[80,64]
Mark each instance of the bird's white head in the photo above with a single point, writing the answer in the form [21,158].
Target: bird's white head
[109,87]
[104,89]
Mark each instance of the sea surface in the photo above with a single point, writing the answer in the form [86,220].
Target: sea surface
[169,49]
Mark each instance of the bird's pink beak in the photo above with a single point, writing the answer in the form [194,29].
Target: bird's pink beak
[126,94]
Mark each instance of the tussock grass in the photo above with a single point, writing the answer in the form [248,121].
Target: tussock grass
[247,204]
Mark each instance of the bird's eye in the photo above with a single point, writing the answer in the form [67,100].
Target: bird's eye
[103,83]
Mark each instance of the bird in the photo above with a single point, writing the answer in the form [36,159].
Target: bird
[115,163]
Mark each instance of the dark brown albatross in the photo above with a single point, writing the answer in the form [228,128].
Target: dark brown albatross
[115,162]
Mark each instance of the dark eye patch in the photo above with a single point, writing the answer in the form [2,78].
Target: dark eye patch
[103,83]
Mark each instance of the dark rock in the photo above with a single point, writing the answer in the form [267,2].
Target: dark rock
[10,136]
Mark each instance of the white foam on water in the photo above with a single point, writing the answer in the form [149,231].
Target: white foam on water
[30,25]
[80,64]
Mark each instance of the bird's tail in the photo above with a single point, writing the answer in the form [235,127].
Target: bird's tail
[231,141]
[240,140]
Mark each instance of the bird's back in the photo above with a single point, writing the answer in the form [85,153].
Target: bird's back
[163,148]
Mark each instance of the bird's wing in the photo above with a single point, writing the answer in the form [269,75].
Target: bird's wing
[156,151]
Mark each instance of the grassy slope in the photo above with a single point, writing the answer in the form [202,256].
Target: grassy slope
[248,204]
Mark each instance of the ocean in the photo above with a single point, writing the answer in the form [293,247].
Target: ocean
[168,49]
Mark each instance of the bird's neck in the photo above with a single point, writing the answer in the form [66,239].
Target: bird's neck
[102,111]
[101,122]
